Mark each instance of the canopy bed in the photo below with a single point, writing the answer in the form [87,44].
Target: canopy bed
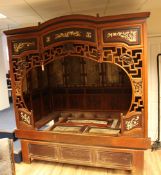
[80,90]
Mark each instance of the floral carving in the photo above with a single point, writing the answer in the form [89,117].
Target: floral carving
[21,45]
[134,122]
[138,87]
[18,88]
[25,118]
[128,35]
[68,34]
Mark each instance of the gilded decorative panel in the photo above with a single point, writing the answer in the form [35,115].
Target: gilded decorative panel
[25,116]
[21,45]
[138,87]
[74,33]
[128,35]
[135,121]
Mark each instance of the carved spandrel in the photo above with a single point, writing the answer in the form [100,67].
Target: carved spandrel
[21,45]
[75,154]
[83,34]
[130,36]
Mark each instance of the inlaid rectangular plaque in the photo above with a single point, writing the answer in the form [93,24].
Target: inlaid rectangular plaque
[127,35]
[65,34]
[21,45]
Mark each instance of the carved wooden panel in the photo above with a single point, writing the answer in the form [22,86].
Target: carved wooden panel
[22,45]
[117,159]
[83,155]
[134,121]
[43,151]
[62,51]
[131,61]
[25,116]
[77,154]
[83,34]
[128,58]
[127,35]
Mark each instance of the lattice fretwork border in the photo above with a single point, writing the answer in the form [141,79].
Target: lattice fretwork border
[129,59]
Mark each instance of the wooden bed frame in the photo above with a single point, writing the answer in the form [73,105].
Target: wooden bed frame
[80,90]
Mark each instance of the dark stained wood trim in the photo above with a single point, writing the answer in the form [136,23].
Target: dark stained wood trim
[79,18]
